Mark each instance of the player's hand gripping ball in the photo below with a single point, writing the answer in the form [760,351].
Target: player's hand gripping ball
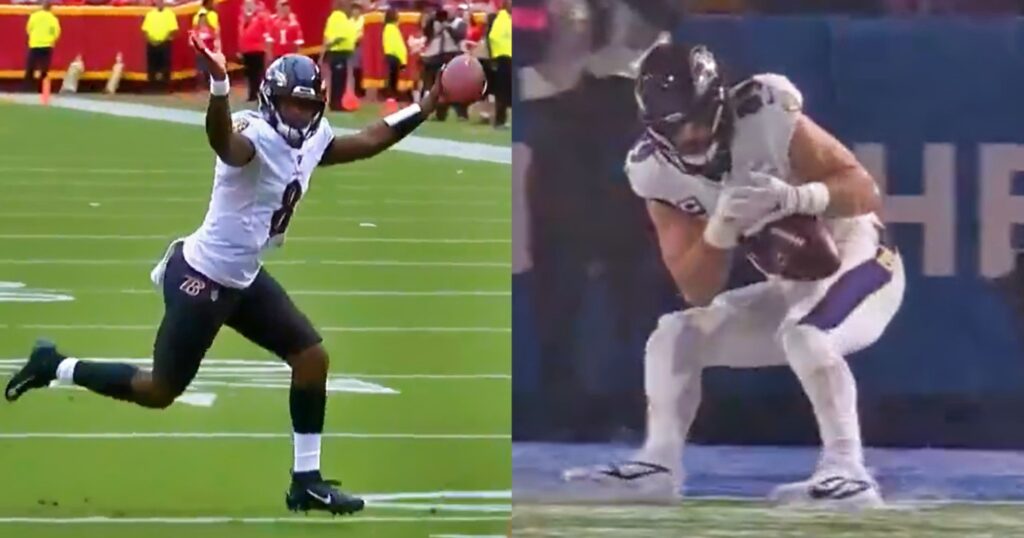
[797,247]
[463,80]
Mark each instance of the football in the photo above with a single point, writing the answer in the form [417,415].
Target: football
[463,80]
[797,247]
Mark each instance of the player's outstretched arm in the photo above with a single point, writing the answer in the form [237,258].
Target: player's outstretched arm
[383,134]
[816,156]
[232,148]
[698,268]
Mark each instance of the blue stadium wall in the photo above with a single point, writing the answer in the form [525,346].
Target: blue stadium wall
[934,105]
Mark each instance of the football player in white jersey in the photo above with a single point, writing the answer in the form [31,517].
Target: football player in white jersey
[714,164]
[214,277]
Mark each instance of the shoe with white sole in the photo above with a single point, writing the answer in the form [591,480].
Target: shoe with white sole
[833,489]
[627,481]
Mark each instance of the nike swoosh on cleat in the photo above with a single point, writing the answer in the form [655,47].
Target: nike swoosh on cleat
[648,469]
[13,392]
[838,488]
[325,500]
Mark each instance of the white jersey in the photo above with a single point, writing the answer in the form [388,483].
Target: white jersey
[767,107]
[250,206]
[853,306]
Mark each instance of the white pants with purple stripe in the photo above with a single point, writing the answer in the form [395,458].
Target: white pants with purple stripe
[810,326]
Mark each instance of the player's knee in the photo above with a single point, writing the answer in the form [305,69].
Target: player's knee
[675,342]
[310,365]
[807,347]
[686,327]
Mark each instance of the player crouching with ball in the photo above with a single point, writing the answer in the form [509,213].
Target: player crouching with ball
[724,168]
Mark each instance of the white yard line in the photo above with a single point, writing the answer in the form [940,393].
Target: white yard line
[445,494]
[313,293]
[445,507]
[178,186]
[352,263]
[105,327]
[98,171]
[107,214]
[435,147]
[205,436]
[400,263]
[258,369]
[162,200]
[304,239]
[246,520]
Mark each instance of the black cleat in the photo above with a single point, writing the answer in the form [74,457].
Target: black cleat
[315,493]
[37,373]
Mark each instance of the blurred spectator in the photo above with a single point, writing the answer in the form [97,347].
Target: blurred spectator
[339,43]
[474,32]
[210,37]
[589,236]
[444,36]
[209,11]
[499,40]
[286,32]
[253,36]
[356,16]
[43,31]
[476,45]
[395,52]
[460,27]
[160,27]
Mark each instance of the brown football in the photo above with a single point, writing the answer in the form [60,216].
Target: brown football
[797,247]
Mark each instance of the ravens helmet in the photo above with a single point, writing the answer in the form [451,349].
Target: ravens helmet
[297,77]
[679,84]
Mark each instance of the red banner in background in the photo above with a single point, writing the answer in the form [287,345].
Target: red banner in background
[98,34]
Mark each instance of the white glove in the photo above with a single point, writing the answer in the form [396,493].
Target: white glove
[774,199]
[735,212]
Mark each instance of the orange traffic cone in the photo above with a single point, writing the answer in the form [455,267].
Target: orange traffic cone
[349,101]
[390,107]
[44,97]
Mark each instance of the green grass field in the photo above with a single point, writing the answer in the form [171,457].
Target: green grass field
[732,519]
[401,261]
[369,112]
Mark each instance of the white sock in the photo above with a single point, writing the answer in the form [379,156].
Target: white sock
[672,381]
[66,371]
[307,452]
[832,390]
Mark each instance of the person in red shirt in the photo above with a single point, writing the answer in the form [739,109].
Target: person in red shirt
[286,32]
[253,37]
[474,34]
[209,37]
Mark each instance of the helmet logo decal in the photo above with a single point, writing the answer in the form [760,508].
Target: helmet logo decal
[280,78]
[704,69]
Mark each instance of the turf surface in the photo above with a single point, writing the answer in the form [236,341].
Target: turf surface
[735,519]
[469,131]
[401,261]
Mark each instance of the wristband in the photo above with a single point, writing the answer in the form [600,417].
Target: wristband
[812,198]
[220,88]
[406,120]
